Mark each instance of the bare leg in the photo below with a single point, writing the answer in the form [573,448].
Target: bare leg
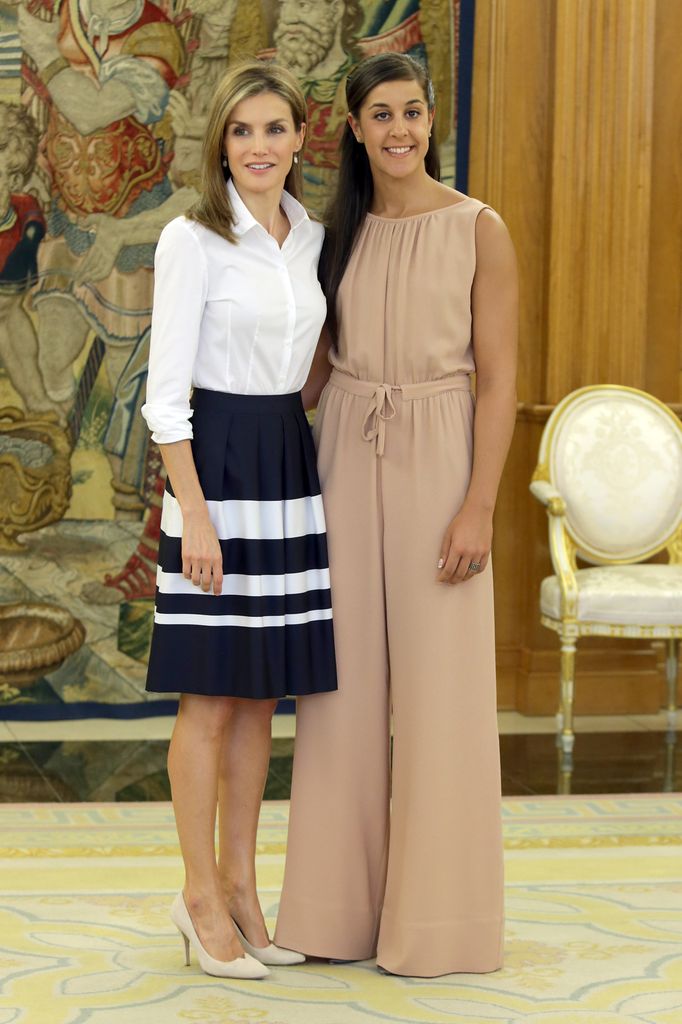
[243,772]
[193,762]
[62,331]
[19,353]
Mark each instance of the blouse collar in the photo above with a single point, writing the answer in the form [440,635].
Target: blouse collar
[245,220]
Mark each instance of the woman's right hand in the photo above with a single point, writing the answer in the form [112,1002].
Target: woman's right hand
[202,559]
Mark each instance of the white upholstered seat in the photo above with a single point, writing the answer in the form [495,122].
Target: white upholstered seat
[610,476]
[621,597]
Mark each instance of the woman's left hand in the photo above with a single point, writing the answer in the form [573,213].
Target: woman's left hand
[466,542]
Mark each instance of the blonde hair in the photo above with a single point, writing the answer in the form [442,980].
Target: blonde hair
[248,78]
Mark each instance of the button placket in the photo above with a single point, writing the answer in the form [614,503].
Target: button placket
[288,342]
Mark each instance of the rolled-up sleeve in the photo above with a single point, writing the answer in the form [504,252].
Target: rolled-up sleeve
[180,288]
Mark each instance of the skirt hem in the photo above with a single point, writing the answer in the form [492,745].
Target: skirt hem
[243,695]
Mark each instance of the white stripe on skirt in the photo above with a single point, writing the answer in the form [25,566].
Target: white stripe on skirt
[237,585]
[259,621]
[253,520]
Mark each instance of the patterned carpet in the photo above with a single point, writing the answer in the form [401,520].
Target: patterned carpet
[594,929]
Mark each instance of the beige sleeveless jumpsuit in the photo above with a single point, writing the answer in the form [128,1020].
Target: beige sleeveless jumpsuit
[420,885]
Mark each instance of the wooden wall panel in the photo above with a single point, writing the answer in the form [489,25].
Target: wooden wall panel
[576,131]
[511,137]
[663,369]
[601,190]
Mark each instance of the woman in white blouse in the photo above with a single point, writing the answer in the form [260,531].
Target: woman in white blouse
[243,609]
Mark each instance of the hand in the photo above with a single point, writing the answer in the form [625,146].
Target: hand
[181,115]
[38,37]
[467,539]
[202,559]
[99,260]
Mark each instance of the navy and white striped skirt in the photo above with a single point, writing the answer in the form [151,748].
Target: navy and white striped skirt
[269,634]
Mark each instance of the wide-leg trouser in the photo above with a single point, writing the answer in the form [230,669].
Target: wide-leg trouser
[420,884]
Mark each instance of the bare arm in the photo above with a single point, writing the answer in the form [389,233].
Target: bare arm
[320,370]
[495,327]
[113,233]
[202,560]
[495,319]
[146,227]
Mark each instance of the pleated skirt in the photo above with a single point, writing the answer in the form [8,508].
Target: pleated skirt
[269,633]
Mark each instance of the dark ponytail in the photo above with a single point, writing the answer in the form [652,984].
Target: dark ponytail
[354,191]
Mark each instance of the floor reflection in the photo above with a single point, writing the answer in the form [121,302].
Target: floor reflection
[667,773]
[135,770]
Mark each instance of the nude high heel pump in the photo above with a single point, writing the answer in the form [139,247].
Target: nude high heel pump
[242,967]
[273,955]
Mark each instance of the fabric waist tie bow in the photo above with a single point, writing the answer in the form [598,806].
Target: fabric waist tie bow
[381,407]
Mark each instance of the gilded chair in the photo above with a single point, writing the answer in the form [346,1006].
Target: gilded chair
[609,474]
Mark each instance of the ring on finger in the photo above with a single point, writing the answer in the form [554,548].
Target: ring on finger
[474,566]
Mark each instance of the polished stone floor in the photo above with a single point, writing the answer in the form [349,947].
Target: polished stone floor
[107,760]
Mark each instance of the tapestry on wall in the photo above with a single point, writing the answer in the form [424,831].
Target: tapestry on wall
[102,109]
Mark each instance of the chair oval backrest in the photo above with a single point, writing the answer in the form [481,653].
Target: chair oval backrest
[615,456]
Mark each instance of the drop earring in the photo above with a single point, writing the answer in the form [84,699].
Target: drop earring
[295,158]
[224,162]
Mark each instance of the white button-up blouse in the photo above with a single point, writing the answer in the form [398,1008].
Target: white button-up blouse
[243,318]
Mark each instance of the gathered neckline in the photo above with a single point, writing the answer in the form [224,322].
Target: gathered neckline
[417,216]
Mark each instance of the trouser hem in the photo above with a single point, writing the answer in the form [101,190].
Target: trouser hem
[328,932]
[463,946]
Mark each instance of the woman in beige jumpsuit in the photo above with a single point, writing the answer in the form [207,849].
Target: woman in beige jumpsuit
[405,862]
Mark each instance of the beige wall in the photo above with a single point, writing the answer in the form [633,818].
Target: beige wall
[576,133]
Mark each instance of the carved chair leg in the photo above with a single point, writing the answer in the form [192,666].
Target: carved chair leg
[565,737]
[568,646]
[671,670]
